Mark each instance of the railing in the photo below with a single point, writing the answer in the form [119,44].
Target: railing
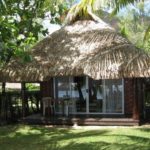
[11,107]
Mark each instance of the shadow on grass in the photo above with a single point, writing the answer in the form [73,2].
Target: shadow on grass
[37,137]
[43,138]
[4,130]
[99,146]
[144,129]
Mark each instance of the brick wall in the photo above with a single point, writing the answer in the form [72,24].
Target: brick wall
[47,88]
[128,96]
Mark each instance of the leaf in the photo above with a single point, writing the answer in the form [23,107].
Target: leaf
[3,3]
[147,33]
[120,4]
[123,31]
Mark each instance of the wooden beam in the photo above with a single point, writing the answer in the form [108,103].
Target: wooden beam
[3,88]
[3,114]
[41,96]
[23,89]
[136,112]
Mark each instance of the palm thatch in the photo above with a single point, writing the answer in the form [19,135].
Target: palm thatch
[83,48]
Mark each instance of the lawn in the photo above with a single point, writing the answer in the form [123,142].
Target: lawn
[24,137]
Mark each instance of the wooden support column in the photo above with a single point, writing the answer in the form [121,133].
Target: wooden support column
[41,96]
[23,90]
[3,88]
[3,103]
[136,112]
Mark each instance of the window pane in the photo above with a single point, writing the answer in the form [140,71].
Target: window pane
[95,95]
[62,92]
[71,94]
[63,89]
[78,93]
[113,96]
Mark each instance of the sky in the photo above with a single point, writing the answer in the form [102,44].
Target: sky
[51,27]
[146,7]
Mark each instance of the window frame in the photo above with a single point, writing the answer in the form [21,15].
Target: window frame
[87,112]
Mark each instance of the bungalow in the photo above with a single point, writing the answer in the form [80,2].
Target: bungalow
[90,73]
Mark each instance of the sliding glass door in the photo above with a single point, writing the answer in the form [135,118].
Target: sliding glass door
[83,95]
[70,94]
[106,96]
[113,96]
[96,96]
[78,93]
[62,91]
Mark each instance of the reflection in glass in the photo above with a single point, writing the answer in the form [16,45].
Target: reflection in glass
[78,90]
[95,95]
[113,96]
[71,94]
[62,92]
[105,96]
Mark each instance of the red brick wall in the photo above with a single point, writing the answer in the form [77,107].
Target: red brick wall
[128,96]
[47,88]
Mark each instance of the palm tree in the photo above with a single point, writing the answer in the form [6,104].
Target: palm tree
[85,8]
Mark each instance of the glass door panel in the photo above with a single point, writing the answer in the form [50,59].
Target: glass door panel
[62,92]
[95,96]
[70,95]
[78,94]
[113,96]
[104,96]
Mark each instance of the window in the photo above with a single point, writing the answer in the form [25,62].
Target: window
[62,87]
[106,96]
[98,97]
[113,96]
[73,89]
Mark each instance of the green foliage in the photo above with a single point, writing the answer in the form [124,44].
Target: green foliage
[21,24]
[147,34]
[133,25]
[32,86]
[80,11]
[21,21]
[123,31]
[147,44]
[58,9]
[118,4]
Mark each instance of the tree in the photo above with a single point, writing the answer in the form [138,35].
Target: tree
[21,24]
[84,9]
[134,23]
[20,21]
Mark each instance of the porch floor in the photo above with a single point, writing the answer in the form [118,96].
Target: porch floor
[79,120]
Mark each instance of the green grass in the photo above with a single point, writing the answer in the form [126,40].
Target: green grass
[24,137]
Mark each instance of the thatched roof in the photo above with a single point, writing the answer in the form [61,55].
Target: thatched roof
[83,48]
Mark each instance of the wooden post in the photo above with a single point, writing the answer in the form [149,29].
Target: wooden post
[3,88]
[23,89]
[41,96]
[3,103]
[136,113]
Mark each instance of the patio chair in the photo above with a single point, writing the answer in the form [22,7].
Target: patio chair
[48,103]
